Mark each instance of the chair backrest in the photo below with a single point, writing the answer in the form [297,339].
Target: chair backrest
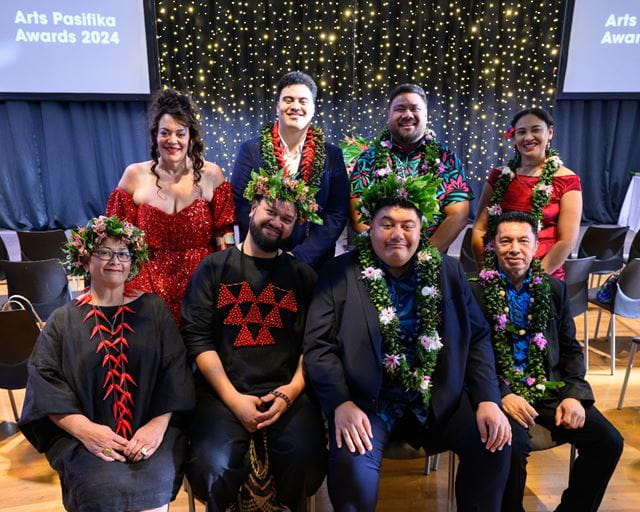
[4,256]
[576,277]
[44,283]
[41,245]
[467,260]
[18,335]
[634,250]
[606,244]
[629,280]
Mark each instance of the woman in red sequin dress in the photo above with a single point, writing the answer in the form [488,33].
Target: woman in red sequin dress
[532,131]
[182,202]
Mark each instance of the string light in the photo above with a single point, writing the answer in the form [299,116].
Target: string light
[479,62]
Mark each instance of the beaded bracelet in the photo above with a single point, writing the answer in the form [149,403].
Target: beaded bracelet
[280,394]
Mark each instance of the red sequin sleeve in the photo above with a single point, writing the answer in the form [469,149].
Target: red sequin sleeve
[121,203]
[223,210]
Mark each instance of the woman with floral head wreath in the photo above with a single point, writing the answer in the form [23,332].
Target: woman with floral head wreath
[106,376]
[535,180]
[180,200]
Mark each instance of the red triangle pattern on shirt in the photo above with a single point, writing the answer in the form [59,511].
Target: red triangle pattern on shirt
[272,319]
[289,302]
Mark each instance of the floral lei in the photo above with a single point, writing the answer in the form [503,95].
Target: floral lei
[85,239]
[384,163]
[313,153]
[428,305]
[530,384]
[541,192]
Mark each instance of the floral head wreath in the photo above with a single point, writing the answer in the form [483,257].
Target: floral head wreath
[420,191]
[85,240]
[280,186]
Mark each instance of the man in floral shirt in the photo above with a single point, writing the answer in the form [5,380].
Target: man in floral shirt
[407,148]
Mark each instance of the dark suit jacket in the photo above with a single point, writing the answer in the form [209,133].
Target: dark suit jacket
[310,243]
[565,361]
[343,345]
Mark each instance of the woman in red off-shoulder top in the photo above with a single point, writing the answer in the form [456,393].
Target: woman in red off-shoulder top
[182,202]
[532,131]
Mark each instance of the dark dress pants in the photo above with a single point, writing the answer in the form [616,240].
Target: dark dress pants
[218,460]
[353,479]
[599,447]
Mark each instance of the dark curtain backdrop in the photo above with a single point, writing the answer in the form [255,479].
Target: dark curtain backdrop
[480,62]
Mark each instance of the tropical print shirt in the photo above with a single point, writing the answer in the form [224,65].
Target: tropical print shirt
[453,188]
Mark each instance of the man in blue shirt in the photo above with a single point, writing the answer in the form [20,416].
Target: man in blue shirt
[541,368]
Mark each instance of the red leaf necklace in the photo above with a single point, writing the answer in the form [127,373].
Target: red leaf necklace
[112,345]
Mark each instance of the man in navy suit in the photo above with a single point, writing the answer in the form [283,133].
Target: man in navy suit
[396,346]
[293,145]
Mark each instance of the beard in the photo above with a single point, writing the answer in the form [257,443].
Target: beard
[264,242]
[406,139]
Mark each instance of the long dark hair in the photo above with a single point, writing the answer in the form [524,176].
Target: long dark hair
[182,108]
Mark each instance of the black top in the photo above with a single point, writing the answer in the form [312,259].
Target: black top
[252,312]
[66,373]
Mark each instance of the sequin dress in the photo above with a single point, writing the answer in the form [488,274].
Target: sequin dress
[177,242]
[518,197]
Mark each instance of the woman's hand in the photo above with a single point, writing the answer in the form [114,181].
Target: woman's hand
[147,438]
[98,439]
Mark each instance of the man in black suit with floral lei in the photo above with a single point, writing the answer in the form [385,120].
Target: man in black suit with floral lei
[396,346]
[540,365]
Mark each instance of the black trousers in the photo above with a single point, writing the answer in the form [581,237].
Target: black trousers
[218,460]
[353,478]
[599,447]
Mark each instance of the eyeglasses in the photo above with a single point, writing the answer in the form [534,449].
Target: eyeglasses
[105,254]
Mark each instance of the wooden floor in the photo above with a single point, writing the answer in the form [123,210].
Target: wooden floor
[28,484]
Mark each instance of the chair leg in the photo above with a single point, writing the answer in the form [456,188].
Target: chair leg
[427,465]
[632,355]
[595,334]
[13,405]
[586,340]
[612,340]
[190,499]
[572,459]
[436,462]
[451,492]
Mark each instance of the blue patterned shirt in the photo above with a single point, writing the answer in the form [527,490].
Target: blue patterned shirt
[518,301]
[395,400]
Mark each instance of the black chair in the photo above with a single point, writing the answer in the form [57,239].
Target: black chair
[18,334]
[576,277]
[467,260]
[607,245]
[44,283]
[4,255]
[626,302]
[41,245]
[634,250]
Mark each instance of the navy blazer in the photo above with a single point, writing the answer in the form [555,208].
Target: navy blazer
[343,344]
[310,243]
[564,360]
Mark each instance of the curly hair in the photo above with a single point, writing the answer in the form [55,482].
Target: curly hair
[183,109]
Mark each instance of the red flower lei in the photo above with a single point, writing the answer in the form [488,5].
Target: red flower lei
[313,154]
[117,380]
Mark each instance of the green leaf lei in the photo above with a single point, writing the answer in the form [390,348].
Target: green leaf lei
[384,163]
[532,384]
[428,343]
[271,163]
[541,192]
